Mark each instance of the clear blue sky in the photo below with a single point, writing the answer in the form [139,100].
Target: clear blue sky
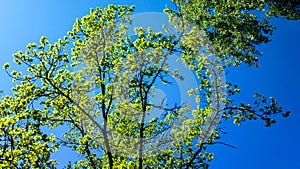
[277,147]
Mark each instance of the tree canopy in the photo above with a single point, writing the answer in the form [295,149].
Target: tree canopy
[237,27]
[96,84]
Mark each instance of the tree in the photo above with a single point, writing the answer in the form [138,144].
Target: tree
[100,90]
[237,27]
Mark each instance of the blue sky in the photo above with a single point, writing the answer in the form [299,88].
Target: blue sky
[277,147]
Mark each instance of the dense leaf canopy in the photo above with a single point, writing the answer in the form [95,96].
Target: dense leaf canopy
[97,81]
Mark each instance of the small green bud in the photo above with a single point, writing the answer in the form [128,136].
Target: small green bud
[6,65]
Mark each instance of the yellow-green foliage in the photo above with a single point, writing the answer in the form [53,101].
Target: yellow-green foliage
[100,89]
